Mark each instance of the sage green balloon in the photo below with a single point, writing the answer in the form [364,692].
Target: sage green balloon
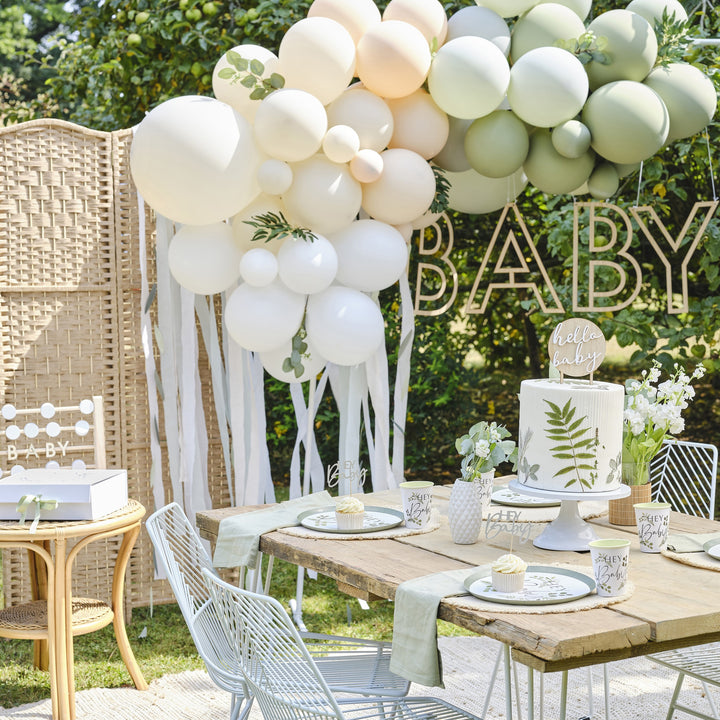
[552,173]
[543,26]
[452,157]
[652,10]
[627,120]
[580,7]
[496,145]
[689,96]
[603,181]
[571,139]
[631,48]
[624,170]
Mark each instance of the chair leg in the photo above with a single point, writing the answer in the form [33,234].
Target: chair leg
[563,695]
[606,685]
[493,678]
[711,702]
[676,692]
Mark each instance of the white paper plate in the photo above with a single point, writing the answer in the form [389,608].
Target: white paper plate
[712,548]
[375,519]
[506,496]
[544,585]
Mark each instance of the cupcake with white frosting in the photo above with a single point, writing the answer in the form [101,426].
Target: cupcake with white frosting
[349,513]
[508,573]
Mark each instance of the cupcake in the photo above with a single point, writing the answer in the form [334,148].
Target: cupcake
[349,513]
[508,573]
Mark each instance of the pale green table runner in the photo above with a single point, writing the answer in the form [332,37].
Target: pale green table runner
[685,543]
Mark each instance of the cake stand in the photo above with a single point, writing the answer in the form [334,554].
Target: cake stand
[568,531]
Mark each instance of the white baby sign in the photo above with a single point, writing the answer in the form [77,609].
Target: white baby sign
[576,347]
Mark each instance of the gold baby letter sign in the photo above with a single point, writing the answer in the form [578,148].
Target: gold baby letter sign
[576,347]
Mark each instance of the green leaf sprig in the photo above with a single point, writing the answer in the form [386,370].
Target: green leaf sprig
[270,226]
[442,191]
[587,48]
[673,39]
[298,352]
[249,74]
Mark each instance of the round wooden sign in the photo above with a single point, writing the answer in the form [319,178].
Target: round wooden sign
[576,347]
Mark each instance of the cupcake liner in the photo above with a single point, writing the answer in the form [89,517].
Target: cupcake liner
[508,582]
[349,521]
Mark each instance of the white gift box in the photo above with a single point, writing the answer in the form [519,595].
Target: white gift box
[80,494]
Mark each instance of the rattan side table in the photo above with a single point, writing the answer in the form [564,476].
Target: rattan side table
[55,617]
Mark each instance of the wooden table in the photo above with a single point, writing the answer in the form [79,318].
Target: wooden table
[673,605]
[54,616]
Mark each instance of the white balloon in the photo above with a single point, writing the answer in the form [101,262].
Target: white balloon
[307,266]
[204,258]
[274,177]
[340,143]
[366,166]
[194,160]
[366,113]
[371,255]
[312,363]
[263,318]
[580,7]
[473,193]
[345,325]
[482,22]
[258,267]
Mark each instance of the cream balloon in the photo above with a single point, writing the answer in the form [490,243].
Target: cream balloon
[652,10]
[689,96]
[428,16]
[548,86]
[631,48]
[194,160]
[365,113]
[203,258]
[552,173]
[226,79]
[344,325]
[317,55]
[452,157]
[603,181]
[404,191]
[393,59]
[305,266]
[496,145]
[508,8]
[469,77]
[627,120]
[263,318]
[481,22]
[243,232]
[356,16]
[371,255]
[580,7]
[274,177]
[312,363]
[367,166]
[406,230]
[476,194]
[290,125]
[258,267]
[324,196]
[340,143]
[543,26]
[420,125]
[425,220]
[571,139]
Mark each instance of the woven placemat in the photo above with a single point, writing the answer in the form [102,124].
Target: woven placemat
[586,509]
[696,559]
[396,532]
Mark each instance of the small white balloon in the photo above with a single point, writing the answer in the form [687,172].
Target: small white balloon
[12,432]
[47,410]
[366,166]
[78,465]
[9,411]
[52,429]
[306,266]
[31,430]
[52,465]
[258,267]
[86,406]
[82,428]
[341,143]
[274,177]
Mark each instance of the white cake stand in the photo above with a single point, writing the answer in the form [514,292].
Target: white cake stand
[568,531]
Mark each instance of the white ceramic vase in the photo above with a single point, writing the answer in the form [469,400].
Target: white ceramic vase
[465,512]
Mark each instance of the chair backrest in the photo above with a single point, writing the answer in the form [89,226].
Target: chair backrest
[181,553]
[277,666]
[685,475]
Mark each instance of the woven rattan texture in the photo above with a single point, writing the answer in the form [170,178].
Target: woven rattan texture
[33,615]
[70,318]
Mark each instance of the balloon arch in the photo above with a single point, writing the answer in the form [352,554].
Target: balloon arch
[294,192]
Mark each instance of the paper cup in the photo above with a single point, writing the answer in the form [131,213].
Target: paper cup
[417,502]
[485,485]
[653,521]
[610,565]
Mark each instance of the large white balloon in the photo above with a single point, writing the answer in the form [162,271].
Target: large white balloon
[193,159]
[274,176]
[356,16]
[580,7]
[476,194]
[469,77]
[420,125]
[231,89]
[204,258]
[404,191]
[317,55]
[312,363]
[482,22]
[263,318]
[307,266]
[344,325]
[290,125]
[324,196]
[371,255]
[365,113]
[548,86]
[428,16]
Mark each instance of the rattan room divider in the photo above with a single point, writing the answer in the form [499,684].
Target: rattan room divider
[70,317]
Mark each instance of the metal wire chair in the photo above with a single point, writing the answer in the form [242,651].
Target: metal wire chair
[286,680]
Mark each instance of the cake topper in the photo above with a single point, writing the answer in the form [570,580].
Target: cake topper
[576,347]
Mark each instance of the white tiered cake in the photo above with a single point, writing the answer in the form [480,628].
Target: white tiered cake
[570,435]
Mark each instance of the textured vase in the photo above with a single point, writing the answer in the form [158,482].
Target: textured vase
[465,512]
[621,511]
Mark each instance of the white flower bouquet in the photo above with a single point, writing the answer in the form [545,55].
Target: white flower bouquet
[484,448]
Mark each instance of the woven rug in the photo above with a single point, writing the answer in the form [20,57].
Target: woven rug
[640,690]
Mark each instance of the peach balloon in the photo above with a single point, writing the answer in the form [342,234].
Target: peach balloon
[393,59]
[356,16]
[366,166]
[404,191]
[420,125]
[365,113]
[317,55]
[428,16]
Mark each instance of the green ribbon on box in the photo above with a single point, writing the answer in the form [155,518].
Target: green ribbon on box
[41,504]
